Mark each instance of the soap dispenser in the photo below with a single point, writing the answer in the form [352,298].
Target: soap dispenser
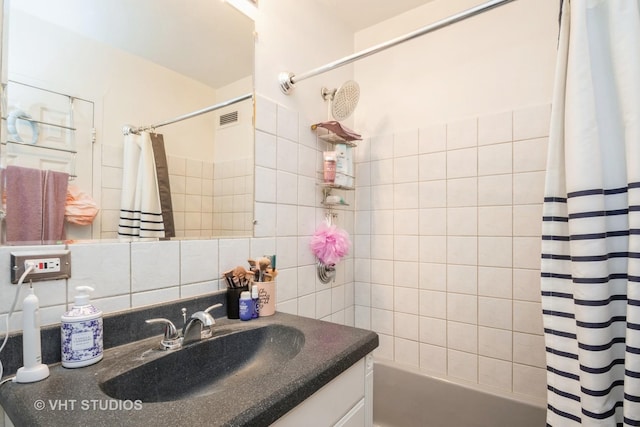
[81,333]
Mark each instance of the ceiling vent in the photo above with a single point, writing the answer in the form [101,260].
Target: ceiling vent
[228,118]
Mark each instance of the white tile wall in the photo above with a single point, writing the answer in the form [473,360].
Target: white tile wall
[477,223]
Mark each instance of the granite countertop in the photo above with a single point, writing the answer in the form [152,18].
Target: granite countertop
[73,396]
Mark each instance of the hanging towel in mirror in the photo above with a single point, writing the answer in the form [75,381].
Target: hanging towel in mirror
[140,211]
[164,187]
[35,204]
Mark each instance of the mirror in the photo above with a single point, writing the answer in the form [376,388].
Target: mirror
[81,70]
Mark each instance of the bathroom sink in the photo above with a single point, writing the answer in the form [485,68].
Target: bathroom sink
[222,364]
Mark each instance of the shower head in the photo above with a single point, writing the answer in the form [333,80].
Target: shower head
[344,100]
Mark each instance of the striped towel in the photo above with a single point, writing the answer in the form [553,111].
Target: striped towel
[140,211]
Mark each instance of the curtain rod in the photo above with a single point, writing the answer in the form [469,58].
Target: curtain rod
[127,129]
[288,80]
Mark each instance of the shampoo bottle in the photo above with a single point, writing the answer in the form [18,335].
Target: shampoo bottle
[81,334]
[245,305]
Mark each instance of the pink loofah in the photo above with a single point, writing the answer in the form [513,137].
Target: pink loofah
[330,243]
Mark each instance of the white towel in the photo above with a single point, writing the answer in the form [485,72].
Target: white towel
[140,211]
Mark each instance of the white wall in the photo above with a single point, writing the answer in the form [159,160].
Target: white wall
[449,195]
[492,62]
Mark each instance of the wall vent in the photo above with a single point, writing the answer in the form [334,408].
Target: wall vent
[228,118]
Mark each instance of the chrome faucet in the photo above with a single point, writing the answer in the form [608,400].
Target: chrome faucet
[199,326]
[171,339]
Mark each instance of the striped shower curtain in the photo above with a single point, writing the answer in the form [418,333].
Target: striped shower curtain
[591,219]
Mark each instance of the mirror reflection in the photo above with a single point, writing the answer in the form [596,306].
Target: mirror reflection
[76,72]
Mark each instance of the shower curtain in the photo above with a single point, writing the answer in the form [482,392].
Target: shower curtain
[591,219]
[140,207]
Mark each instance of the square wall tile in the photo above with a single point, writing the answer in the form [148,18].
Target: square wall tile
[287,156]
[530,381]
[433,276]
[433,359]
[462,336]
[433,249]
[495,373]
[157,296]
[385,347]
[526,252]
[495,312]
[434,304]
[462,163]
[527,317]
[462,221]
[495,251]
[495,190]
[495,221]
[433,221]
[495,343]
[529,349]
[432,166]
[405,169]
[495,159]
[406,300]
[406,326]
[407,352]
[526,285]
[462,365]
[406,195]
[286,188]
[266,148]
[433,331]
[382,172]
[382,321]
[530,155]
[462,279]
[528,188]
[462,308]
[406,248]
[527,220]
[461,192]
[495,282]
[406,221]
[462,250]
[433,194]
[382,296]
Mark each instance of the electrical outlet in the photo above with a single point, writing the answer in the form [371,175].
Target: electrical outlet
[48,265]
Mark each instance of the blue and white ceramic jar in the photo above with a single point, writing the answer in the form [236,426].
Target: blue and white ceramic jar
[81,332]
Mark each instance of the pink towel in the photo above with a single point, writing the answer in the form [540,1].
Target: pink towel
[35,204]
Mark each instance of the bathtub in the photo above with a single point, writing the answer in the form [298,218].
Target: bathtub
[403,398]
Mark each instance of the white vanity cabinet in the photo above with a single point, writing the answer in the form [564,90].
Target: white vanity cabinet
[346,401]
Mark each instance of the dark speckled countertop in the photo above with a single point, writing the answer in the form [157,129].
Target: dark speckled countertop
[73,397]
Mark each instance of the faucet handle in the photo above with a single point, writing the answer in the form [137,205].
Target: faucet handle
[208,309]
[171,338]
